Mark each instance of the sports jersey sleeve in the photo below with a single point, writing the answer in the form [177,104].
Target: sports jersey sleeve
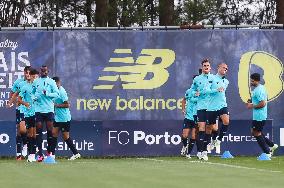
[261,95]
[64,96]
[15,86]
[54,92]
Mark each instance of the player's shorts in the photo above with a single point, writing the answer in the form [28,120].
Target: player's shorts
[41,117]
[212,116]
[30,122]
[19,116]
[63,126]
[258,125]
[189,124]
[201,116]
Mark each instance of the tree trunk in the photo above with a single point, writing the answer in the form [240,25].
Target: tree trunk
[112,13]
[101,13]
[88,13]
[166,12]
[280,11]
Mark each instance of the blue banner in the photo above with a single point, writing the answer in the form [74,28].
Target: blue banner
[143,75]
[139,138]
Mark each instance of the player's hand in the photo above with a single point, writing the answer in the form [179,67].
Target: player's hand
[27,105]
[44,92]
[197,93]
[249,105]
[249,101]
[221,89]
[9,105]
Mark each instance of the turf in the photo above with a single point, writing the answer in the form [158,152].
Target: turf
[157,172]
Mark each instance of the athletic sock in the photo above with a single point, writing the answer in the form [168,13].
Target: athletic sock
[39,141]
[207,140]
[261,143]
[214,135]
[53,145]
[200,141]
[19,144]
[268,142]
[49,140]
[30,146]
[223,131]
[34,145]
[71,146]
[190,145]
[24,138]
[184,142]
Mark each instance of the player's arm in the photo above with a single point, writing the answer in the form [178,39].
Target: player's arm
[261,104]
[65,104]
[12,99]
[183,105]
[54,91]
[21,101]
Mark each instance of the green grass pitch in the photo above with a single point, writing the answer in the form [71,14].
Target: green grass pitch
[173,172]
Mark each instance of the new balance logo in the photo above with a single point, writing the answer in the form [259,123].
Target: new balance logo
[149,71]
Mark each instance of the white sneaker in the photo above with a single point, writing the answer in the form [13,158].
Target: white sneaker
[269,155]
[273,148]
[25,150]
[204,156]
[188,156]
[184,150]
[199,155]
[74,157]
[218,146]
[31,158]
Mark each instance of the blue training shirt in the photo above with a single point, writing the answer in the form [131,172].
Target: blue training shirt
[202,83]
[191,102]
[259,94]
[28,96]
[44,102]
[16,87]
[62,114]
[218,99]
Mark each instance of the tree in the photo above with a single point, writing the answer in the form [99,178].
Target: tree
[101,13]
[280,11]
[166,12]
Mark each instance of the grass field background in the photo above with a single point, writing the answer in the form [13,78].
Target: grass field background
[174,172]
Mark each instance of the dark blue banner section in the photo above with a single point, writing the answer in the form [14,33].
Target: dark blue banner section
[142,138]
[142,75]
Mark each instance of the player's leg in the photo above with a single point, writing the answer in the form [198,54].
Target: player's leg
[23,133]
[184,137]
[66,137]
[49,126]
[201,119]
[211,119]
[55,133]
[30,121]
[225,118]
[39,122]
[257,127]
[192,140]
[18,137]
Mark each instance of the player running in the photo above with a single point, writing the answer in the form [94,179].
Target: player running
[62,121]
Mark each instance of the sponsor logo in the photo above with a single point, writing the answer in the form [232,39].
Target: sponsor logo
[273,71]
[149,71]
[4,138]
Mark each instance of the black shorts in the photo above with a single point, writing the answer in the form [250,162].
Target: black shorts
[42,117]
[63,126]
[30,122]
[201,116]
[258,125]
[212,116]
[189,124]
[19,116]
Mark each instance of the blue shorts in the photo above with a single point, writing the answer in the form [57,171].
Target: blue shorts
[43,117]
[30,122]
[212,116]
[63,126]
[19,116]
[258,125]
[201,116]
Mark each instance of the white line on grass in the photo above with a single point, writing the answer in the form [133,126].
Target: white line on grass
[216,164]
